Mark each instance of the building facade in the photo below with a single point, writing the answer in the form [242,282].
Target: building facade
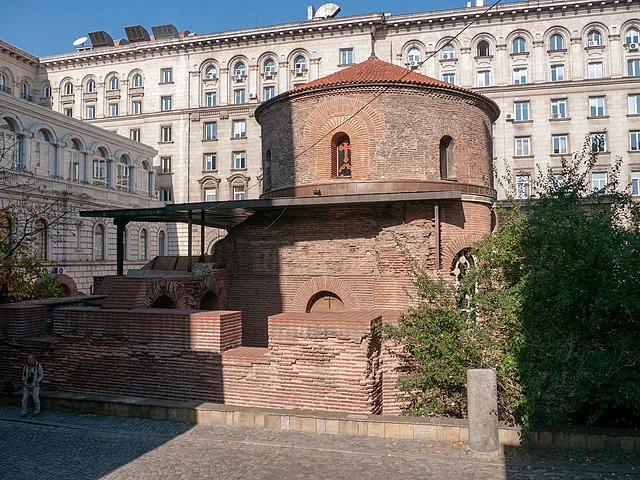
[54,166]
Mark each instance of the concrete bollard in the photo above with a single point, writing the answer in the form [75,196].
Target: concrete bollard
[482,397]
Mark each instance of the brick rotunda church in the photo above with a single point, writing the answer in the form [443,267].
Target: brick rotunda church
[369,175]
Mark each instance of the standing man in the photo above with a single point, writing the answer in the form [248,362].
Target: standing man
[32,375]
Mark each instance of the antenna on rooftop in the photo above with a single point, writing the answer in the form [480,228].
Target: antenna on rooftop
[79,42]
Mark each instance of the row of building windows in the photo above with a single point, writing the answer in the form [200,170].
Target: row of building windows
[560,143]
[559,108]
[599,182]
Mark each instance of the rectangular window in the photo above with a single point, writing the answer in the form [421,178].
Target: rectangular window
[557,73]
[484,78]
[560,144]
[523,186]
[211,99]
[210,162]
[596,106]
[165,195]
[598,142]
[634,104]
[165,134]
[165,103]
[166,75]
[523,146]
[598,181]
[136,107]
[165,164]
[100,170]
[75,171]
[521,110]
[268,93]
[634,141]
[134,134]
[449,78]
[239,160]
[113,109]
[210,130]
[595,70]
[519,76]
[239,96]
[559,108]
[210,194]
[68,112]
[90,112]
[633,68]
[635,183]
[238,192]
[239,128]
[346,56]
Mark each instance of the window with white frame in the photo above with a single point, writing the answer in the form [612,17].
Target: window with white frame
[239,160]
[68,111]
[239,96]
[596,107]
[523,185]
[165,164]
[100,170]
[632,36]
[210,130]
[270,67]
[300,64]
[123,172]
[449,78]
[519,76]
[598,142]
[521,111]
[165,134]
[238,192]
[210,194]
[482,49]
[557,73]
[240,71]
[634,104]
[114,83]
[556,42]
[137,81]
[519,45]
[633,67]
[46,93]
[483,78]
[595,70]
[91,86]
[635,183]
[134,134]
[413,56]
[90,112]
[559,144]
[268,93]
[165,103]
[166,75]
[239,128]
[211,99]
[634,141]
[165,195]
[210,163]
[598,181]
[98,243]
[113,109]
[346,56]
[559,108]
[522,146]
[448,52]
[25,92]
[68,88]
[6,87]
[211,72]
[594,38]
[136,107]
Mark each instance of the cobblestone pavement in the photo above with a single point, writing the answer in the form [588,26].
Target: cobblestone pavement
[64,446]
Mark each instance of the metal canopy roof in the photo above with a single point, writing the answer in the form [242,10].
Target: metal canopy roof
[228,214]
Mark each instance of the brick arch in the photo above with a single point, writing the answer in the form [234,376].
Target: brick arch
[169,289]
[68,282]
[457,244]
[218,288]
[320,284]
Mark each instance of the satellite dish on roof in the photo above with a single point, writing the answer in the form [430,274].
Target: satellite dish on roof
[328,10]
[78,42]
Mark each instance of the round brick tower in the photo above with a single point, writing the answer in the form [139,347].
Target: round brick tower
[376,128]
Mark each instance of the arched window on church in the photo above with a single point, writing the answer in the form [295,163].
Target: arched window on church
[325,302]
[341,155]
[447,158]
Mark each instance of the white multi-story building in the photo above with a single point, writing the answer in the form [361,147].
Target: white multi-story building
[561,71]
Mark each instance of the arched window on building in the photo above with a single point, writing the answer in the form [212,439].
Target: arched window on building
[76,159]
[632,36]
[101,168]
[519,45]
[211,72]
[123,174]
[91,86]
[447,158]
[144,180]
[46,91]
[114,83]
[41,239]
[137,81]
[270,67]
[325,302]
[300,64]
[162,243]
[556,42]
[25,91]
[68,88]
[341,155]
[99,240]
[143,247]
[413,56]
[240,70]
[11,144]
[482,49]
[448,52]
[594,38]
[5,85]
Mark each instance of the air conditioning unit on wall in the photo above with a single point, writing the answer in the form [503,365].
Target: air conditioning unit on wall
[633,47]
[446,55]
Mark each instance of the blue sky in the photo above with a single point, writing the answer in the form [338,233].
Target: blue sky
[49,27]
